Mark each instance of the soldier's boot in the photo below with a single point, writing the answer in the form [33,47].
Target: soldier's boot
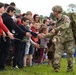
[70,68]
[56,69]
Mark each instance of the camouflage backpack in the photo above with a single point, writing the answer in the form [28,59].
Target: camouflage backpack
[73,24]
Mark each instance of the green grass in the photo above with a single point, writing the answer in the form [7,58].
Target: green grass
[40,70]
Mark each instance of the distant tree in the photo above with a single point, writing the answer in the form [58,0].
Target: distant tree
[41,18]
[52,16]
[71,8]
[45,16]
[64,12]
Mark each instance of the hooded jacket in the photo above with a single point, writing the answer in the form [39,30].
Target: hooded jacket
[10,24]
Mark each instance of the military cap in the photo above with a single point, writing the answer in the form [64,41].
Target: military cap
[57,8]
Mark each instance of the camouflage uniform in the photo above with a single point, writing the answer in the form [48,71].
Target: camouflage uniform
[65,41]
[73,23]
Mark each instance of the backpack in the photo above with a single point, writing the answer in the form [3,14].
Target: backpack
[72,17]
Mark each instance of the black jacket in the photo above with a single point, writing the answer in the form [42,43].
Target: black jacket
[10,24]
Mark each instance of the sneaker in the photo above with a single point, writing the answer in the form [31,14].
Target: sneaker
[16,67]
[30,64]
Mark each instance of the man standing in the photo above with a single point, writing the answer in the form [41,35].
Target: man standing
[3,31]
[65,39]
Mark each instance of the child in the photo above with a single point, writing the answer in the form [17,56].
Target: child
[43,43]
[51,47]
[28,47]
[24,49]
[25,21]
[35,29]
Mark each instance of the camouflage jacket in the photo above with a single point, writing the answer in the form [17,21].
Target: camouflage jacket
[73,23]
[63,25]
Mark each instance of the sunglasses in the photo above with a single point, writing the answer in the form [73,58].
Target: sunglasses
[14,12]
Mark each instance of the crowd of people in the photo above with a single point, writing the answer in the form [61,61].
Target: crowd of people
[31,39]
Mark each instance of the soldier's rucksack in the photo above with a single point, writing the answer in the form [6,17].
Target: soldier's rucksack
[73,24]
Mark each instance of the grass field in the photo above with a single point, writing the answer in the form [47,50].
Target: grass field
[40,70]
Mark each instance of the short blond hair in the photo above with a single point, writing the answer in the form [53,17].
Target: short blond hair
[28,13]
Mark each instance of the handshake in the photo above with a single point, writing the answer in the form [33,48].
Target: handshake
[39,35]
[53,31]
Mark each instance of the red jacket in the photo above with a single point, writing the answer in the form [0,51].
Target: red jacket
[2,27]
[35,39]
[1,31]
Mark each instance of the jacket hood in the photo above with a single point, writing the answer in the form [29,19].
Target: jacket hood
[5,15]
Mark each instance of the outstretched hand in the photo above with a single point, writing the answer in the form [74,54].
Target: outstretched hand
[37,45]
[59,33]
[11,36]
[28,34]
[53,31]
[41,36]
[4,34]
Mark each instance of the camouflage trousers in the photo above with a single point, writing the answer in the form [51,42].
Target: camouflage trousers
[67,47]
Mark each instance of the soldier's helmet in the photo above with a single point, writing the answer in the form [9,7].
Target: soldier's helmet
[57,8]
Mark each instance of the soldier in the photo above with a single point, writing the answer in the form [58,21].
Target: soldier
[65,41]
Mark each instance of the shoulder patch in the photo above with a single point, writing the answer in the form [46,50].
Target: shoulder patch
[67,18]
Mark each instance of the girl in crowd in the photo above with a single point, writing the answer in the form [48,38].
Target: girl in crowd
[43,43]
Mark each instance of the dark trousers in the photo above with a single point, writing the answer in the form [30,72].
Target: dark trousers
[41,55]
[4,50]
[21,55]
[17,47]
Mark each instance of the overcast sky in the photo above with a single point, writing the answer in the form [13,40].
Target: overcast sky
[42,7]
